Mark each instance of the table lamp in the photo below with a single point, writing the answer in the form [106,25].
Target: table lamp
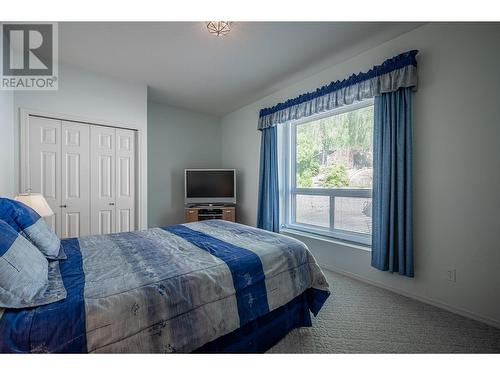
[37,202]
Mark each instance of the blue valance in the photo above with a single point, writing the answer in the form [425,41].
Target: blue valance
[393,74]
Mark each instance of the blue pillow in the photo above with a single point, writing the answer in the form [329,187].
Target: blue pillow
[27,222]
[26,278]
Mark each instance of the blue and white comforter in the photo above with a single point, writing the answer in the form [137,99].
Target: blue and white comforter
[169,289]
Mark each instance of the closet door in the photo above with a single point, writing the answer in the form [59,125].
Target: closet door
[125,180]
[44,164]
[75,160]
[103,188]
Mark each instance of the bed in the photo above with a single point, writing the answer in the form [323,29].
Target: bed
[210,286]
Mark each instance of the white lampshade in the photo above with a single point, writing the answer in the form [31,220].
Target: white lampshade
[37,202]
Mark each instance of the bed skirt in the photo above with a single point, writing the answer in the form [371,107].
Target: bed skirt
[263,333]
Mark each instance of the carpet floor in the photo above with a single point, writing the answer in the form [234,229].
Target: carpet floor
[362,318]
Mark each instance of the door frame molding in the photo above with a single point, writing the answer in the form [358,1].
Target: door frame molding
[23,174]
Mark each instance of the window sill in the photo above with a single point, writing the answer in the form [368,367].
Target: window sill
[326,239]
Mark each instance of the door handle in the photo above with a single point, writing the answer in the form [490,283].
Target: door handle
[111,204]
[63,206]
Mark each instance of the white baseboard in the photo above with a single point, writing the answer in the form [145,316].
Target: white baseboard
[430,301]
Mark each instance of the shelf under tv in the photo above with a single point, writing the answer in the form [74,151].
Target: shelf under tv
[209,205]
[210,212]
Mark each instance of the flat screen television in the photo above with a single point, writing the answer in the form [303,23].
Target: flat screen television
[210,186]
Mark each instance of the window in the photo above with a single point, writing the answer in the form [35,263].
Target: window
[328,173]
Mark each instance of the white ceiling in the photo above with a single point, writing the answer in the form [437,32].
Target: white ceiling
[184,66]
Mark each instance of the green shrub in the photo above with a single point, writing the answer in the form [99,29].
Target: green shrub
[336,176]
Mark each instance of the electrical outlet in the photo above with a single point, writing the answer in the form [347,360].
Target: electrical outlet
[451,275]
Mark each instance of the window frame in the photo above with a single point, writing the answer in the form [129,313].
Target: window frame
[290,190]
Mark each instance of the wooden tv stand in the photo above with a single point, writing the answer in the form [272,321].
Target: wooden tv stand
[207,212]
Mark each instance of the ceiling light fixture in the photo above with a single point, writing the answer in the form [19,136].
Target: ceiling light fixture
[219,28]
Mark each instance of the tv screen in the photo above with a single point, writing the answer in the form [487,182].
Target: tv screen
[210,186]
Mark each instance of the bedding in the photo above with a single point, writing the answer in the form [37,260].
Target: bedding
[26,279]
[27,222]
[175,289]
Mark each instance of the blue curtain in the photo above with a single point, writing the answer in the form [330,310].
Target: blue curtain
[392,238]
[268,206]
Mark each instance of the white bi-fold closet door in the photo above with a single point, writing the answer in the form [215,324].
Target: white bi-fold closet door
[113,179]
[86,172]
